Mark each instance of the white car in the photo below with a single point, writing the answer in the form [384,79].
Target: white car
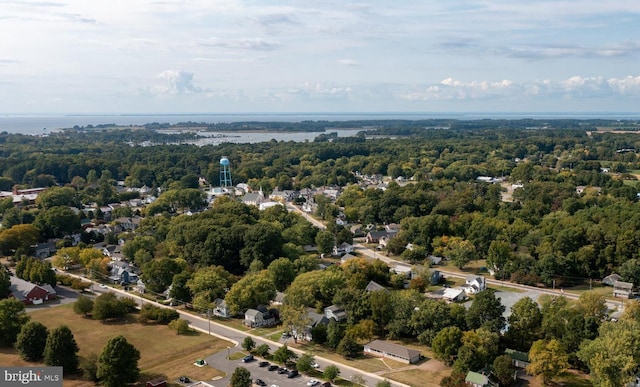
[315,365]
[103,286]
[274,385]
[313,382]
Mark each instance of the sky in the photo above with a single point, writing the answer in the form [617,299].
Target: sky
[239,56]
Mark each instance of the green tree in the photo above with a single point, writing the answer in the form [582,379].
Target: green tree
[248,343]
[383,383]
[282,272]
[241,377]
[305,363]
[446,343]
[89,367]
[592,304]
[57,222]
[180,292]
[524,324]
[283,355]
[504,370]
[250,291]
[325,241]
[31,341]
[118,363]
[180,326]
[158,274]
[486,311]
[5,283]
[349,347]
[12,318]
[547,359]
[61,349]
[18,238]
[614,355]
[331,372]
[58,196]
[498,257]
[108,306]
[262,350]
[460,252]
[83,305]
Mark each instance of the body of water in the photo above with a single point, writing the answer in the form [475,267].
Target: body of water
[43,124]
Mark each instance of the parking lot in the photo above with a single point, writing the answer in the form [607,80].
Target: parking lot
[272,378]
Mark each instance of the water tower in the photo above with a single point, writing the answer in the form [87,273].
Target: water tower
[225,172]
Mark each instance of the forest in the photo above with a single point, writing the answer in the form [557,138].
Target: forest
[545,234]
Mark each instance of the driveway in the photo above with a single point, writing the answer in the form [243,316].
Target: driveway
[65,296]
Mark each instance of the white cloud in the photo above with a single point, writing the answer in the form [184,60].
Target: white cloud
[177,82]
[257,44]
[348,62]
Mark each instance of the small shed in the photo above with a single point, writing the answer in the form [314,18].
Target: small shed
[158,382]
[622,289]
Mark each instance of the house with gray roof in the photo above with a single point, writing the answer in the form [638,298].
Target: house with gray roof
[30,293]
[383,348]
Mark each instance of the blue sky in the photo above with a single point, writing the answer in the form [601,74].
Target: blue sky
[234,56]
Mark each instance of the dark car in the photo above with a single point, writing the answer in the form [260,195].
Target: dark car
[273,367]
[260,382]
[247,358]
[325,384]
[292,374]
[184,379]
[263,364]
[282,370]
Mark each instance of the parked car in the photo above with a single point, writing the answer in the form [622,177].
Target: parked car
[260,382]
[312,382]
[263,364]
[292,374]
[325,384]
[184,379]
[315,365]
[247,358]
[273,367]
[282,370]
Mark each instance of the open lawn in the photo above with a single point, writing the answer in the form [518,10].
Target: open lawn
[418,377]
[162,352]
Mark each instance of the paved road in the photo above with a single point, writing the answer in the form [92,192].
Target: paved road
[235,337]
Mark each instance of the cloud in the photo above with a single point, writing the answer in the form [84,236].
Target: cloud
[572,87]
[348,62]
[177,82]
[274,20]
[9,61]
[256,44]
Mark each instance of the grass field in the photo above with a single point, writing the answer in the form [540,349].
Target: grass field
[162,352]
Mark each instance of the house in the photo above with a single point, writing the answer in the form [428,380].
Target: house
[123,273]
[279,299]
[610,279]
[158,382]
[622,289]
[476,379]
[342,249]
[221,309]
[44,250]
[30,293]
[253,198]
[474,284]
[402,269]
[335,312]
[373,286]
[374,236]
[433,260]
[285,195]
[313,319]
[383,348]
[453,295]
[259,317]
[518,359]
[347,257]
[127,224]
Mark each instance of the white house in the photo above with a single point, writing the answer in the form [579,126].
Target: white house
[342,249]
[474,284]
